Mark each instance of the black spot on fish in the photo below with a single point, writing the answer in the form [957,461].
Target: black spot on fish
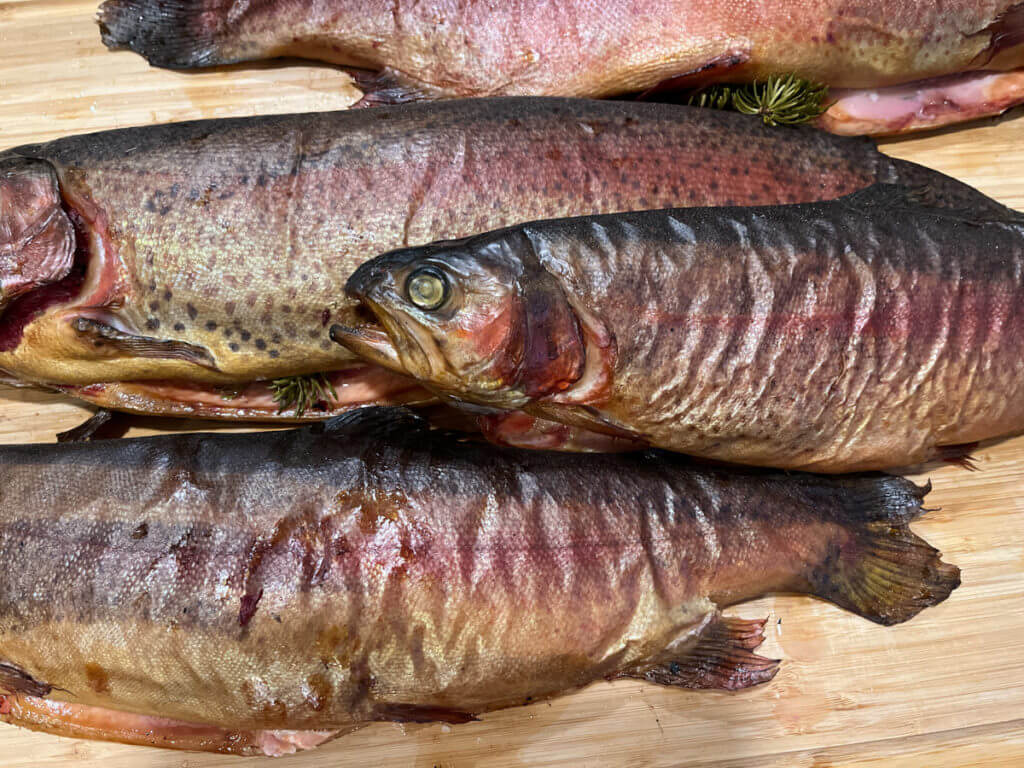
[141,531]
[286,308]
[260,344]
[192,311]
[246,335]
[211,325]
[152,324]
[173,192]
[150,206]
[154,306]
[167,294]
[165,210]
[276,338]
[228,332]
[233,346]
[325,317]
[274,353]
[261,180]
[179,326]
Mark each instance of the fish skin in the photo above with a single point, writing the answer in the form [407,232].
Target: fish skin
[856,334]
[372,569]
[581,48]
[197,215]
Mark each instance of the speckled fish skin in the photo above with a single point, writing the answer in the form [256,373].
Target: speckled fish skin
[582,48]
[228,242]
[371,569]
[861,333]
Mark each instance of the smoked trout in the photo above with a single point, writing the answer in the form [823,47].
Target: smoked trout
[263,593]
[440,49]
[861,333]
[179,269]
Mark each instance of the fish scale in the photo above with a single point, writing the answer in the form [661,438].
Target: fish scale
[217,251]
[375,569]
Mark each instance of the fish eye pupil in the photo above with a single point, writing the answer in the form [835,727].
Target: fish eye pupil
[427,288]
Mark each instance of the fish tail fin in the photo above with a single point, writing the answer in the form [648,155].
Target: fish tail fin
[722,659]
[177,34]
[877,567]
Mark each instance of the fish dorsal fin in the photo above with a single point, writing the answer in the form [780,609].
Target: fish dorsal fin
[380,421]
[922,198]
[883,195]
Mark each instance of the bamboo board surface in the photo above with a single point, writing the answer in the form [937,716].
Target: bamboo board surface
[946,689]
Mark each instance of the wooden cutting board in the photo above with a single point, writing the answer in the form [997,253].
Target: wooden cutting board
[946,689]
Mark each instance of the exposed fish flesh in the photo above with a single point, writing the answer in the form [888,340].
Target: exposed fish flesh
[287,586]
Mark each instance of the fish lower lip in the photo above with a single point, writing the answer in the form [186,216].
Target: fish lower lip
[369,342]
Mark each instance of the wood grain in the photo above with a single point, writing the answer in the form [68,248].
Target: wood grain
[944,690]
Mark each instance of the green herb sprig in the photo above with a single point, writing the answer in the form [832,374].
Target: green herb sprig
[302,392]
[779,100]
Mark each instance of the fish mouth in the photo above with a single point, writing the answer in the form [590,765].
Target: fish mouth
[371,343]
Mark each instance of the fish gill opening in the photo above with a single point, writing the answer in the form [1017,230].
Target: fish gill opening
[28,306]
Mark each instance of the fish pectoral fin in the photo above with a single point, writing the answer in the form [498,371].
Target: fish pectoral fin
[79,721]
[414,713]
[15,680]
[104,336]
[722,658]
[102,425]
[389,87]
[960,454]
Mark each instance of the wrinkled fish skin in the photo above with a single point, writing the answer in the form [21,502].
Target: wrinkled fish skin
[577,48]
[856,334]
[371,569]
[218,250]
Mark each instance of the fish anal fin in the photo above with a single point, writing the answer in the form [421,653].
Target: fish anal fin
[721,659]
[15,680]
[414,713]
[102,425]
[389,88]
[706,73]
[106,337]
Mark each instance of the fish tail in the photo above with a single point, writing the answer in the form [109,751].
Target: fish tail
[178,34]
[877,567]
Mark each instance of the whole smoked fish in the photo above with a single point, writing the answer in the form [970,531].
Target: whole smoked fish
[937,62]
[177,269]
[862,333]
[286,587]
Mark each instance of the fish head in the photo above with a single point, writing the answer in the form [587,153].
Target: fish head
[477,320]
[37,240]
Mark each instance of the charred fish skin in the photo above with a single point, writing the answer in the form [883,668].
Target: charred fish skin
[215,252]
[373,569]
[856,334]
[476,48]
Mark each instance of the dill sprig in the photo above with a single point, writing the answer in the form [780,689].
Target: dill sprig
[302,392]
[779,100]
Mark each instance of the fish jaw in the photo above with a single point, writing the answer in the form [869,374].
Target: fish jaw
[370,343]
[924,105]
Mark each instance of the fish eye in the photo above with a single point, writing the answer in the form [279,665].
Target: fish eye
[427,288]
